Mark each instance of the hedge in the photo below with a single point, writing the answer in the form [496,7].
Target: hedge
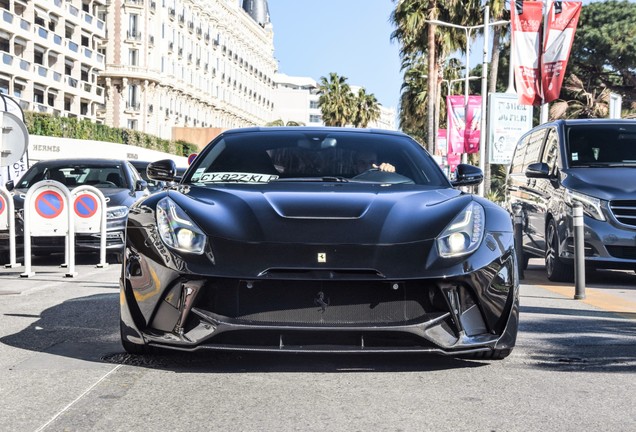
[71,127]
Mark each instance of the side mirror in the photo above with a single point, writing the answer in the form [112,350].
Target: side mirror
[10,185]
[467,175]
[163,170]
[141,185]
[538,170]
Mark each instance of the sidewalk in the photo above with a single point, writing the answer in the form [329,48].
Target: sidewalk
[608,290]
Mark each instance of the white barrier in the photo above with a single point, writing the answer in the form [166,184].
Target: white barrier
[7,222]
[89,216]
[47,212]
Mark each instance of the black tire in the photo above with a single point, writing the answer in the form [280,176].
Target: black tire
[556,269]
[129,347]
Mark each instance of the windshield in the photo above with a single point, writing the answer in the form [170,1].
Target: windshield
[102,176]
[601,145]
[313,155]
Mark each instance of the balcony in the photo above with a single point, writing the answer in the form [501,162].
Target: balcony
[133,107]
[153,6]
[133,36]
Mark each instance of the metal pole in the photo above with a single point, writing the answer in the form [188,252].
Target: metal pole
[518,229]
[483,136]
[466,66]
[579,252]
[545,108]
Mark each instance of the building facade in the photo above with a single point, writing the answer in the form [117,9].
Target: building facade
[187,63]
[296,100]
[52,55]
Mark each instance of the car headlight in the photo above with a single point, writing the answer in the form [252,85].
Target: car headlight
[591,205]
[116,212]
[463,235]
[177,230]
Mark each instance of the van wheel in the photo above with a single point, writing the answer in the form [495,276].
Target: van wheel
[556,269]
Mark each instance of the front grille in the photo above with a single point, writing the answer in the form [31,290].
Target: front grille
[317,302]
[624,211]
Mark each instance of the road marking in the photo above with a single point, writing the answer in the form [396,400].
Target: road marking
[597,298]
[67,407]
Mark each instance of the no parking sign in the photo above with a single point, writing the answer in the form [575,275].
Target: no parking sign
[4,220]
[46,213]
[89,215]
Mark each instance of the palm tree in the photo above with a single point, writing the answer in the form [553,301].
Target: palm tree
[409,17]
[584,104]
[336,100]
[367,109]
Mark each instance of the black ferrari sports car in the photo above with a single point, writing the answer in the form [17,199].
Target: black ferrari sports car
[319,240]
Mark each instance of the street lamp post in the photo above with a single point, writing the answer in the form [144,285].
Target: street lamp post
[468,30]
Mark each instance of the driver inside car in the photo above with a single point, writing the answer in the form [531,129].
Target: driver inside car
[367,160]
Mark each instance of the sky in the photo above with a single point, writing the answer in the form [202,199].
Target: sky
[313,38]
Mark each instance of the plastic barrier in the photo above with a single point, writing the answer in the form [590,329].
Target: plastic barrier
[47,213]
[89,215]
[7,222]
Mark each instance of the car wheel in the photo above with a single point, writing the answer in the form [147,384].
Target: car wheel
[129,347]
[556,269]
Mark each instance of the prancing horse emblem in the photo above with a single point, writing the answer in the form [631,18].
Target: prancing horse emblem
[322,257]
[320,301]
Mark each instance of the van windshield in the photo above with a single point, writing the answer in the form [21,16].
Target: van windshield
[601,145]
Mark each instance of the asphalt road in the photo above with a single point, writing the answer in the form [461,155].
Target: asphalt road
[62,369]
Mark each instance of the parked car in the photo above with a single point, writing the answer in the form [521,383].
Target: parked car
[153,185]
[274,241]
[116,179]
[565,161]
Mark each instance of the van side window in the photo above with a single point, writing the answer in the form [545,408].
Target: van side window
[551,150]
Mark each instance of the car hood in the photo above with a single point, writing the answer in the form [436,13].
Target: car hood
[322,214]
[114,197]
[611,183]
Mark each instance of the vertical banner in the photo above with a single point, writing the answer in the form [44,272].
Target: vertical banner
[456,127]
[507,121]
[561,27]
[526,20]
[473,122]
[462,135]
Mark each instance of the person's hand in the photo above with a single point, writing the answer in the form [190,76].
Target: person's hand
[386,167]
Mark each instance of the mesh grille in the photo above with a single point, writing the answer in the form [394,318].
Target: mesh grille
[317,303]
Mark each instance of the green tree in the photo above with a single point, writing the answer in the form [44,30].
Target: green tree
[604,49]
[281,122]
[336,100]
[367,109]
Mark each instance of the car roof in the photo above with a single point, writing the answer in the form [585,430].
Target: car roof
[290,129]
[80,161]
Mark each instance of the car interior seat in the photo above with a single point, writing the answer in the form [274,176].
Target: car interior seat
[114,178]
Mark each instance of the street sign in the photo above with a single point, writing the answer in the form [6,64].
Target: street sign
[47,213]
[89,215]
[85,206]
[4,220]
[49,204]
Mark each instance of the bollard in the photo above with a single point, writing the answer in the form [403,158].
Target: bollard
[518,228]
[579,252]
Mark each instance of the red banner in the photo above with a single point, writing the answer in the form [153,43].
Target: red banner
[561,28]
[526,22]
[460,138]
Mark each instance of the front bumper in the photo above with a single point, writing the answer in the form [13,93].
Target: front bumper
[468,313]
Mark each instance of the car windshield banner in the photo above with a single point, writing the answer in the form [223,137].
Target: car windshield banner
[463,129]
[526,20]
[562,22]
